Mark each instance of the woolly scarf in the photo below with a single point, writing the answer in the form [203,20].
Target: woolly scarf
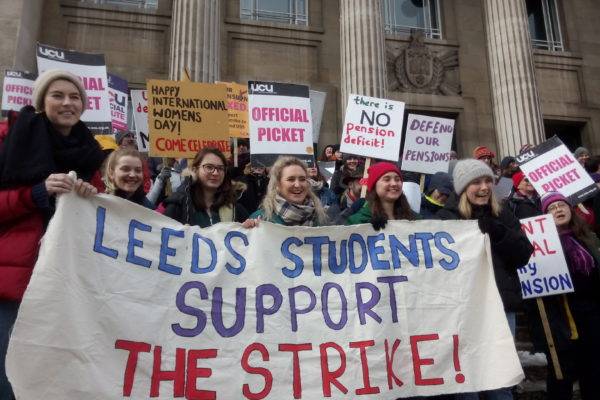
[34,149]
[316,186]
[579,259]
[295,214]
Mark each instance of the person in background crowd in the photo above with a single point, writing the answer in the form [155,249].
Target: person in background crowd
[123,176]
[592,165]
[327,154]
[171,173]
[353,188]
[126,140]
[582,155]
[475,199]
[385,200]
[453,155]
[207,196]
[337,154]
[508,167]
[43,145]
[525,148]
[256,181]
[486,155]
[575,323]
[289,199]
[439,189]
[524,201]
[319,187]
[350,164]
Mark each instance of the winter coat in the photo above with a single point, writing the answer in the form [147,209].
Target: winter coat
[523,207]
[511,250]
[255,191]
[326,196]
[180,207]
[30,152]
[365,216]
[428,208]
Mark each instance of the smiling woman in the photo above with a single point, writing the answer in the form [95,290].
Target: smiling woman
[123,176]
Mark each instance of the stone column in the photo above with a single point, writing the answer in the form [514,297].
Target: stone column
[363,49]
[516,106]
[196,40]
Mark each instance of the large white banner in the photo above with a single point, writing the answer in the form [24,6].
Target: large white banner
[547,272]
[127,303]
[139,103]
[17,90]
[91,69]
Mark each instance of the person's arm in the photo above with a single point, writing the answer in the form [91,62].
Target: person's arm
[18,202]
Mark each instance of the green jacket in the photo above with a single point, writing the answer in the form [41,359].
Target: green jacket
[364,216]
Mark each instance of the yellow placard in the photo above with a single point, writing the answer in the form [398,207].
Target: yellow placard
[184,117]
[237,107]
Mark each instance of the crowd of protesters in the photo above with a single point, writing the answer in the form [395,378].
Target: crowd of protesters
[47,141]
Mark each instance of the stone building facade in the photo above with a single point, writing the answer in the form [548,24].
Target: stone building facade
[470,62]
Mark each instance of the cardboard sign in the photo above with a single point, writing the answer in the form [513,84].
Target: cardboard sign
[317,104]
[373,127]
[139,104]
[185,117]
[280,122]
[117,91]
[412,310]
[237,108]
[91,69]
[17,90]
[547,272]
[551,167]
[427,145]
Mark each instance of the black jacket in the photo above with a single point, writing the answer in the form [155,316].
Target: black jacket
[523,207]
[510,250]
[180,207]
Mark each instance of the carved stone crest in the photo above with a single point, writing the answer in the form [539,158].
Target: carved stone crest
[417,69]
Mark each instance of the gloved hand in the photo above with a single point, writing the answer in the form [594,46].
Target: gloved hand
[378,222]
[492,226]
[164,174]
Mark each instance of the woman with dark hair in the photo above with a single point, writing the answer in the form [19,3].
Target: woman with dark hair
[574,323]
[124,176]
[351,163]
[207,197]
[385,200]
[327,154]
[42,147]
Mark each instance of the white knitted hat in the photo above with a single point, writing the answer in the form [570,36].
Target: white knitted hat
[40,86]
[467,170]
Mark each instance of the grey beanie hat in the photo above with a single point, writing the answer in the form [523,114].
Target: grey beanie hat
[41,84]
[467,170]
[579,151]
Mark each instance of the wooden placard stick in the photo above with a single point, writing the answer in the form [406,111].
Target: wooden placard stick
[363,190]
[422,183]
[549,339]
[235,152]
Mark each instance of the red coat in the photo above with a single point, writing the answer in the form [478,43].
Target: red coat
[21,228]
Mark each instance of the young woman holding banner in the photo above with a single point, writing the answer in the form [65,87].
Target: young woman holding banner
[124,176]
[208,196]
[385,200]
[289,199]
[475,200]
[41,148]
[575,324]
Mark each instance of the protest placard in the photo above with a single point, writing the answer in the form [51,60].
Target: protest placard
[547,272]
[373,127]
[345,313]
[17,90]
[139,105]
[427,144]
[317,105]
[237,109]
[91,69]
[185,117]
[551,167]
[280,122]
[118,98]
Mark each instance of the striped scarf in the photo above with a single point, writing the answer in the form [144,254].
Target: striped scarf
[295,214]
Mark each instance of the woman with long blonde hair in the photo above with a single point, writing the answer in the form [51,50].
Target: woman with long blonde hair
[124,176]
[289,199]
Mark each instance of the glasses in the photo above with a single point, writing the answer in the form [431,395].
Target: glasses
[209,168]
[557,205]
